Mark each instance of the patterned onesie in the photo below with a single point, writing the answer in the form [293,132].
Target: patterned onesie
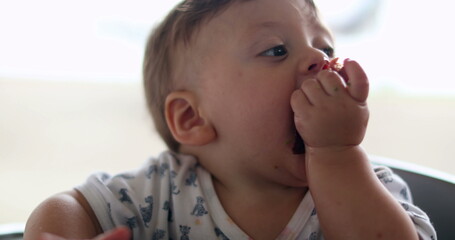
[172,197]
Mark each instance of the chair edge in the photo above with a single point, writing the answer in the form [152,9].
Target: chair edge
[412,167]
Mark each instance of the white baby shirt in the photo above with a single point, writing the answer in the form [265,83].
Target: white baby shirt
[172,197]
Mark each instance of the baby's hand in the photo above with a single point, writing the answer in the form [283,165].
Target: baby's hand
[330,110]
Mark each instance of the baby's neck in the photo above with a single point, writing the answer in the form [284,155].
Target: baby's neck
[260,214]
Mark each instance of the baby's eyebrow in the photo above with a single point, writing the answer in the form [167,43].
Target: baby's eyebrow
[265,25]
[255,29]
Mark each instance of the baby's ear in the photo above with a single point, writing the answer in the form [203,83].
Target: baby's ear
[186,121]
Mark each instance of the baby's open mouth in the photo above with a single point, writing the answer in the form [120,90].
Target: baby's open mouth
[299,145]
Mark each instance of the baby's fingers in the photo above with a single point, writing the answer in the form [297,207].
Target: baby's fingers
[120,233]
[358,80]
[299,101]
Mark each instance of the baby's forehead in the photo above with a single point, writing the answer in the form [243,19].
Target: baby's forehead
[238,18]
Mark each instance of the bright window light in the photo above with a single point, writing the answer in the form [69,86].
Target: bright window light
[404,45]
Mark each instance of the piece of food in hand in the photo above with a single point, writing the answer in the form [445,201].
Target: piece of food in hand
[334,65]
[338,67]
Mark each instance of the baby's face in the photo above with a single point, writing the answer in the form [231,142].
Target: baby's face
[254,55]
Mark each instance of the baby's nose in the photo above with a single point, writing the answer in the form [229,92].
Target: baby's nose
[316,67]
[311,70]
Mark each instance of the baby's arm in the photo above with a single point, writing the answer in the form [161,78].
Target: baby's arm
[332,119]
[69,216]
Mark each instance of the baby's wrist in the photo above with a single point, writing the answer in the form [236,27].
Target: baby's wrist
[333,153]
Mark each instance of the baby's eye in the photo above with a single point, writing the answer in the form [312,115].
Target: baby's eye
[329,51]
[277,51]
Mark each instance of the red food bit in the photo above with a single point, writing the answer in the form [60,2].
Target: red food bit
[326,66]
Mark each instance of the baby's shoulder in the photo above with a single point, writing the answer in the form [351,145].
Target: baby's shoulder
[167,173]
[60,213]
[150,196]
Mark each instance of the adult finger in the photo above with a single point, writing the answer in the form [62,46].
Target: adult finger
[120,233]
[49,236]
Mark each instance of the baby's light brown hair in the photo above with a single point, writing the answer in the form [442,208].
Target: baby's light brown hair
[177,29]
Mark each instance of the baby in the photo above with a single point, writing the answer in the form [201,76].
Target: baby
[230,83]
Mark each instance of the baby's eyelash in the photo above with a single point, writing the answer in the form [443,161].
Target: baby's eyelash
[329,51]
[277,51]
[281,50]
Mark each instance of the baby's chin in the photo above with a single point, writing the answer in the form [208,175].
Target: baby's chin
[297,173]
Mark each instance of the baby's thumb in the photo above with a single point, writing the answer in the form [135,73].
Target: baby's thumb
[358,85]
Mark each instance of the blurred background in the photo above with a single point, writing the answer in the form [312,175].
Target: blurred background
[71,98]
